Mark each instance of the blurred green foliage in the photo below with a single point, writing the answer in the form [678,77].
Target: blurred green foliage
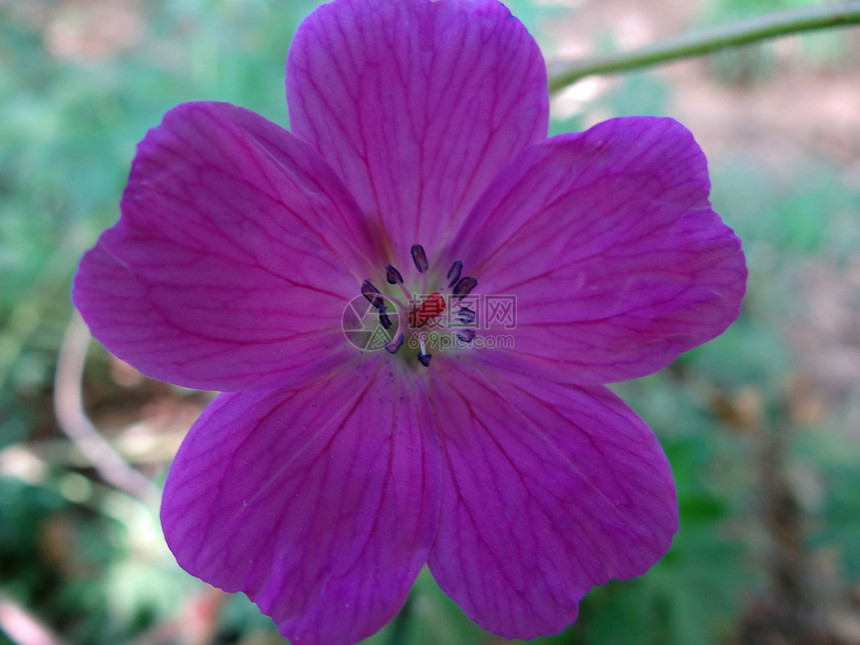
[89,562]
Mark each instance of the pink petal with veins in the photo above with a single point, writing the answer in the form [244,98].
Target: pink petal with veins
[235,255]
[547,490]
[609,244]
[417,105]
[319,502]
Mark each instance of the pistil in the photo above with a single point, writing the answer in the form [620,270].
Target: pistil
[432,307]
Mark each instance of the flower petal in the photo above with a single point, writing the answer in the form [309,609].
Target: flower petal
[235,255]
[609,244]
[319,502]
[549,489]
[416,104]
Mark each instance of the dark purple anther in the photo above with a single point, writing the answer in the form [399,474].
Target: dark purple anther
[424,359]
[454,273]
[392,275]
[466,315]
[464,286]
[372,294]
[467,335]
[394,345]
[384,320]
[419,257]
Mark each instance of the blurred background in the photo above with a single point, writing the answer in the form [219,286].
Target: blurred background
[762,425]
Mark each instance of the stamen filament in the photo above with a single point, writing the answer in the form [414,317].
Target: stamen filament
[405,292]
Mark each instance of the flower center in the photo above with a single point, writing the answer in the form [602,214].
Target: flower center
[435,303]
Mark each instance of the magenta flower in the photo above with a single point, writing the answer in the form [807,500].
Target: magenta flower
[479,439]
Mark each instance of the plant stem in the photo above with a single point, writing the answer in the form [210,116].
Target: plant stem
[771,25]
[68,404]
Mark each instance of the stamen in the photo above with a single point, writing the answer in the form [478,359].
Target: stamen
[467,335]
[393,346]
[384,320]
[428,309]
[466,316]
[392,275]
[372,294]
[454,273]
[423,356]
[464,286]
[419,257]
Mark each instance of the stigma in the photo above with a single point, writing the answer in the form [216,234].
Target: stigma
[432,307]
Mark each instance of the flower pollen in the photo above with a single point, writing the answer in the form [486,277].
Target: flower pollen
[372,294]
[392,275]
[454,273]
[464,287]
[420,258]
